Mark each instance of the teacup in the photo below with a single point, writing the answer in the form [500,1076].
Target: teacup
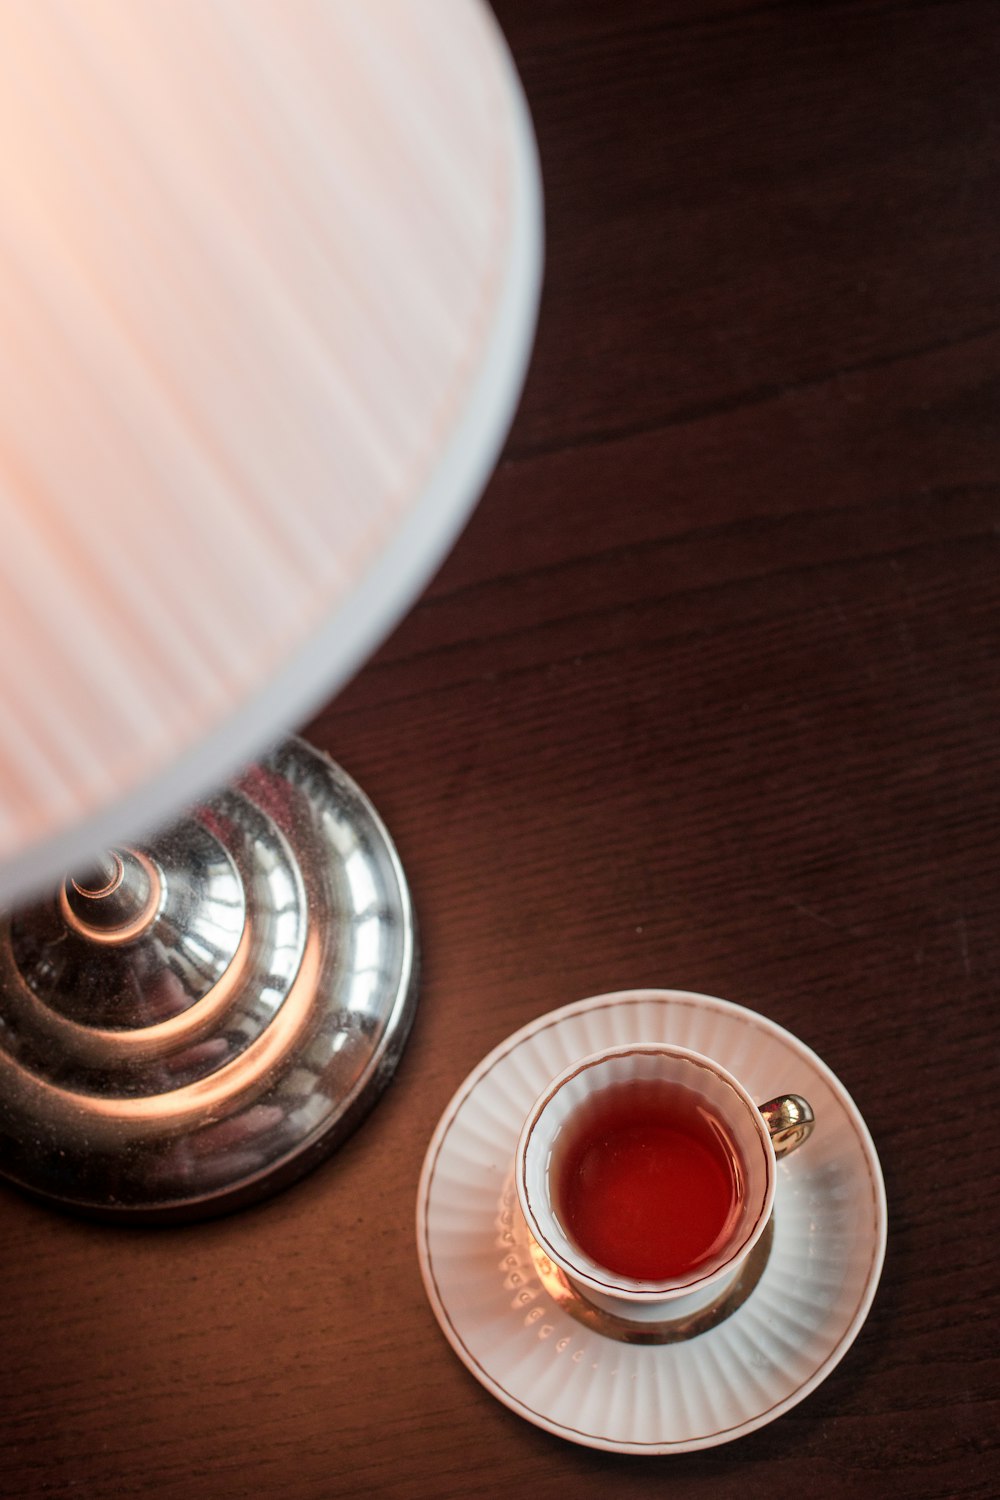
[646,1173]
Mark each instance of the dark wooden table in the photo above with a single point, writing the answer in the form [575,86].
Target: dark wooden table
[706,697]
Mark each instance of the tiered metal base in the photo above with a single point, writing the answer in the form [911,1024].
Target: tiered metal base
[194,1024]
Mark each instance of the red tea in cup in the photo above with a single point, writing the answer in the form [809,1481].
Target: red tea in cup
[649,1185]
[646,1173]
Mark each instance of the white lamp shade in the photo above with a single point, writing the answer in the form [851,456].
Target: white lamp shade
[268,280]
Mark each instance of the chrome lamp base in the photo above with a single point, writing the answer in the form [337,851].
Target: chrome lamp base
[195,1023]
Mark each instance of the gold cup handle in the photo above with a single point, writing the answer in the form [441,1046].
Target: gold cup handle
[789,1120]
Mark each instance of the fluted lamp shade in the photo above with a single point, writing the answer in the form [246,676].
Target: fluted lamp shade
[268,280]
[266,287]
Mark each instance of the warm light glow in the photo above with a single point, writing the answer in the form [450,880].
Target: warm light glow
[252,258]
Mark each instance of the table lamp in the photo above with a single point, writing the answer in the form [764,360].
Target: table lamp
[268,281]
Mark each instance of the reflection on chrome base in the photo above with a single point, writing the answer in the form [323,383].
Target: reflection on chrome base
[188,1026]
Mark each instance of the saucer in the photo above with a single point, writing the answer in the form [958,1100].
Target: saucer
[605,1382]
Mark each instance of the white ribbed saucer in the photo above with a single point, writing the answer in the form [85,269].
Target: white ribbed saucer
[777,1346]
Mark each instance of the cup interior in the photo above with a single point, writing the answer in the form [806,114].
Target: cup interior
[573,1105]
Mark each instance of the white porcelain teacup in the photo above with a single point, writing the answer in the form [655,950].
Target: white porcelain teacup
[647,1173]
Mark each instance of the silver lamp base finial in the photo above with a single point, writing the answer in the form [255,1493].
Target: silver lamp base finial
[188,1026]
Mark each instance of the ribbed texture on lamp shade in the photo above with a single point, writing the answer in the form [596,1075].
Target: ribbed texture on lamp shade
[250,257]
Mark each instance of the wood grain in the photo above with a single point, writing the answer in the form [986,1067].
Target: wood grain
[705,696]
